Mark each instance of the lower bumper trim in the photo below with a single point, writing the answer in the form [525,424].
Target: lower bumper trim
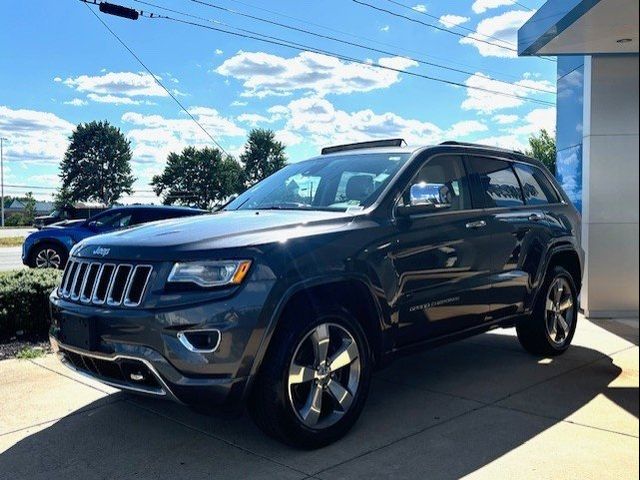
[125,372]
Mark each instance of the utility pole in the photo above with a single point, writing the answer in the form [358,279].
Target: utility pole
[2,140]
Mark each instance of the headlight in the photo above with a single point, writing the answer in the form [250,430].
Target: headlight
[210,273]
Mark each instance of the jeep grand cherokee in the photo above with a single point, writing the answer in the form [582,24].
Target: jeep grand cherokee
[289,298]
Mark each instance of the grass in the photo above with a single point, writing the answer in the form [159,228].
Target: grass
[29,353]
[11,241]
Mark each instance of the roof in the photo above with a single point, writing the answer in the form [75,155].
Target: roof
[581,27]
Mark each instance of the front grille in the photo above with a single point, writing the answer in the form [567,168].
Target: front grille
[104,283]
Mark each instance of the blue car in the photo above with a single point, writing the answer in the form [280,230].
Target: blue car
[49,247]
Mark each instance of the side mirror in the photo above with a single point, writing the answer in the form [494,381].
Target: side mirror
[423,198]
[92,225]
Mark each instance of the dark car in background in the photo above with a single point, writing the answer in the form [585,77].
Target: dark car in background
[298,289]
[49,247]
[75,212]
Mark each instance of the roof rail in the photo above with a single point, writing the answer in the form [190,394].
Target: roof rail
[392,142]
[479,145]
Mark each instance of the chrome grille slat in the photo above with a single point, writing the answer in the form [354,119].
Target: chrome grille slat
[113,284]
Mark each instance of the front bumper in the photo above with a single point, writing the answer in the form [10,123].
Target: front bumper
[140,350]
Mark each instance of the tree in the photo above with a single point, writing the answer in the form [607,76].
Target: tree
[543,147]
[202,178]
[97,164]
[62,199]
[29,208]
[262,155]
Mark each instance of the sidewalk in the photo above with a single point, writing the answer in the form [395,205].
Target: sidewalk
[481,408]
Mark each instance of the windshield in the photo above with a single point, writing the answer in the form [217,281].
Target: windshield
[326,183]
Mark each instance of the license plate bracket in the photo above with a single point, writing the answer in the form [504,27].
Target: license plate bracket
[78,332]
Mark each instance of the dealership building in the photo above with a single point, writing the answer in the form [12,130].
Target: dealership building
[596,44]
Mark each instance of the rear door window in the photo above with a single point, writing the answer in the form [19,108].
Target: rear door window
[535,186]
[498,183]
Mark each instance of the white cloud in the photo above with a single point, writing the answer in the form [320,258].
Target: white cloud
[154,136]
[76,102]
[511,142]
[318,121]
[253,119]
[57,79]
[536,120]
[481,6]
[420,8]
[504,119]
[264,74]
[238,103]
[34,136]
[503,27]
[465,128]
[386,28]
[219,52]
[119,84]
[112,99]
[450,21]
[478,98]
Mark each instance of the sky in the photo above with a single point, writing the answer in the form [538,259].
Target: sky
[59,66]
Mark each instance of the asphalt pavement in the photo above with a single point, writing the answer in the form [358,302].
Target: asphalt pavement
[10,258]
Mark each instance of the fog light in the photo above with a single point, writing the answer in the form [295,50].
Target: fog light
[200,341]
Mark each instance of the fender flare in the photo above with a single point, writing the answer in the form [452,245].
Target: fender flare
[562,245]
[290,292]
[54,241]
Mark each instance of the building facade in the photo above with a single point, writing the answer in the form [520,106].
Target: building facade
[596,43]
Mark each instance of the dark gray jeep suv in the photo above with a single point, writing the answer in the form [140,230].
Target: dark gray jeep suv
[289,298]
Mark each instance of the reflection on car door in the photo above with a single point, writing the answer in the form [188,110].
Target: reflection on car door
[519,233]
[442,259]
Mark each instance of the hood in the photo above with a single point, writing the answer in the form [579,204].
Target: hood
[64,224]
[168,239]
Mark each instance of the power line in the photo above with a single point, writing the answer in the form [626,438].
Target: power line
[431,25]
[301,47]
[328,37]
[426,14]
[367,39]
[155,78]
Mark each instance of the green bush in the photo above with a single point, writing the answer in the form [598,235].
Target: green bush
[24,301]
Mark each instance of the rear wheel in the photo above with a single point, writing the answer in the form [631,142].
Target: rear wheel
[47,255]
[550,329]
[314,381]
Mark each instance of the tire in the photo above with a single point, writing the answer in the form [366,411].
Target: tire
[284,392]
[48,255]
[544,332]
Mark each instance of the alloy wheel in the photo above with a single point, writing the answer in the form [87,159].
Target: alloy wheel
[48,258]
[559,311]
[324,376]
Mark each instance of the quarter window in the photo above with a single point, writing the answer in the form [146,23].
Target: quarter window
[536,187]
[498,183]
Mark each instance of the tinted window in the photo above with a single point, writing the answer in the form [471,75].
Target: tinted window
[499,184]
[536,187]
[114,220]
[443,181]
[340,182]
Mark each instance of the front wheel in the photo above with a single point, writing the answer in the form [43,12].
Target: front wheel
[48,256]
[550,329]
[314,381]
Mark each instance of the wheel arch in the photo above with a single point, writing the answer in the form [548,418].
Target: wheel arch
[355,293]
[46,241]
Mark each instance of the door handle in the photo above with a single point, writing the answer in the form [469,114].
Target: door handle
[478,224]
[536,217]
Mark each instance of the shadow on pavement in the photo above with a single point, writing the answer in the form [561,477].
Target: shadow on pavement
[437,414]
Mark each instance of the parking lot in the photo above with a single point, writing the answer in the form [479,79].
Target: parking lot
[10,256]
[480,408]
